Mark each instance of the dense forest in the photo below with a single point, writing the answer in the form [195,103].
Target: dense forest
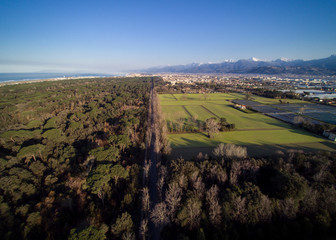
[231,196]
[71,154]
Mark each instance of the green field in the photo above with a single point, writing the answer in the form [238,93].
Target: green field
[257,142]
[199,112]
[172,113]
[248,137]
[216,105]
[197,99]
[261,135]
[275,101]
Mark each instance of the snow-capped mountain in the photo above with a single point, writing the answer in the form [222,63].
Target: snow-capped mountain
[325,66]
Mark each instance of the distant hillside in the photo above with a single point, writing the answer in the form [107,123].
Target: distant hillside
[325,66]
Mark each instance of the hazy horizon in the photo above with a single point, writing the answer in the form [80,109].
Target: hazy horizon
[109,37]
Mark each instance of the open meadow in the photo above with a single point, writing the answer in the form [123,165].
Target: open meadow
[262,135]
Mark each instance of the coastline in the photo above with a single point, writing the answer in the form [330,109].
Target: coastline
[15,82]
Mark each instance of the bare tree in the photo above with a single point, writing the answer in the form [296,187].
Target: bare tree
[159,126]
[163,171]
[220,150]
[179,124]
[194,212]
[143,229]
[199,187]
[159,214]
[194,175]
[128,236]
[230,150]
[101,195]
[213,204]
[239,212]
[218,173]
[166,148]
[200,156]
[245,168]
[183,181]
[212,127]
[159,186]
[147,167]
[148,135]
[165,144]
[173,199]
[145,199]
[157,143]
[265,209]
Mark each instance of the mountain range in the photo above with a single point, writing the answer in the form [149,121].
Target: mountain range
[324,66]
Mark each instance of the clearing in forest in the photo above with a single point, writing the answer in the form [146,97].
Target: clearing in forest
[262,135]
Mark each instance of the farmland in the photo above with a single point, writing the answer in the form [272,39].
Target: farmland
[259,133]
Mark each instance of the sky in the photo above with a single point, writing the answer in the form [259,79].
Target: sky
[109,36]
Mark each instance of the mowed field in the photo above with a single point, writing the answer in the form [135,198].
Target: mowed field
[261,135]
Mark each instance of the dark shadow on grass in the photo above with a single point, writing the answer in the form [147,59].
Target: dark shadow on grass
[253,150]
[278,123]
[329,144]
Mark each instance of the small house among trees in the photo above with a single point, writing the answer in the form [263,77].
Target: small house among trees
[240,106]
[330,135]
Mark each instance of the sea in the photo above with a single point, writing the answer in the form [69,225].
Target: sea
[16,77]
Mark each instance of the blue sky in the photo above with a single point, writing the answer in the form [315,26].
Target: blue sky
[109,36]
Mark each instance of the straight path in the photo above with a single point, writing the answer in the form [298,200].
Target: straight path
[154,232]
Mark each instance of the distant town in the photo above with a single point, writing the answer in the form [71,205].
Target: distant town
[321,88]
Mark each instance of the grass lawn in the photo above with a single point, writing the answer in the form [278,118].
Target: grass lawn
[245,120]
[249,137]
[258,142]
[199,112]
[172,113]
[215,105]
[264,100]
[261,135]
[196,98]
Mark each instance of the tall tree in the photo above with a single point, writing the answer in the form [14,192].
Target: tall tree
[212,127]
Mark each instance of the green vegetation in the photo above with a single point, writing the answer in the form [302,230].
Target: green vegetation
[253,137]
[217,105]
[262,134]
[71,166]
[258,143]
[265,100]
[262,179]
[197,99]
[70,158]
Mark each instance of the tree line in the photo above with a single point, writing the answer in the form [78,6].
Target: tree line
[231,196]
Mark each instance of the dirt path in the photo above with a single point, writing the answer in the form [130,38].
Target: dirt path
[154,232]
